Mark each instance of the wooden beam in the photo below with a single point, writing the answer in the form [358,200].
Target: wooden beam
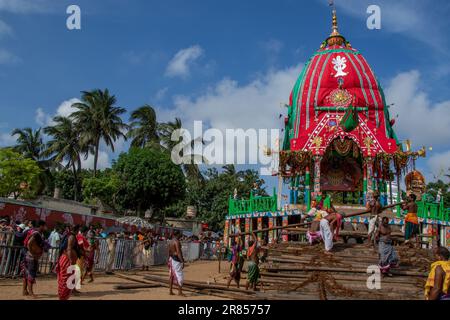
[308,223]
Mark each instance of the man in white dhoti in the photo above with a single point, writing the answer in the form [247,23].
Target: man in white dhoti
[147,252]
[176,263]
[54,240]
[326,234]
[376,209]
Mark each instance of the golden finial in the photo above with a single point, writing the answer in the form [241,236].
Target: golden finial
[335,28]
[335,37]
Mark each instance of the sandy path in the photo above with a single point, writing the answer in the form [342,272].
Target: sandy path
[103,287]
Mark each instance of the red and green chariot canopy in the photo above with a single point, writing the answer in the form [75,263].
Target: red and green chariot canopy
[335,80]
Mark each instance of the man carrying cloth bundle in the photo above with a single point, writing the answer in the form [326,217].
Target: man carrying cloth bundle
[176,263]
[253,264]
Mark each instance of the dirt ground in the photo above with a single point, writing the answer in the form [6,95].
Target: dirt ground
[103,287]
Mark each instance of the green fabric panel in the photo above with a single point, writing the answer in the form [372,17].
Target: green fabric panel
[336,50]
[350,120]
[300,91]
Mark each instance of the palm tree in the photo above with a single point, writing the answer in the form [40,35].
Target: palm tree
[64,146]
[98,119]
[143,128]
[166,130]
[166,133]
[30,144]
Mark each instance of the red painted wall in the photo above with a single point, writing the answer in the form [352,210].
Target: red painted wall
[19,212]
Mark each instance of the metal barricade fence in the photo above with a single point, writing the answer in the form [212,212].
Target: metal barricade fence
[209,251]
[128,255]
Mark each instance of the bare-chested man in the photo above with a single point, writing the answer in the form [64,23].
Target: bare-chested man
[386,251]
[34,248]
[176,263]
[411,219]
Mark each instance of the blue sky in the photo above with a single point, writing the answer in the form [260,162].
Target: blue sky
[229,63]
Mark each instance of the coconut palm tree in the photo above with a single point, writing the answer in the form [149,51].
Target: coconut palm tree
[143,128]
[169,141]
[30,144]
[99,119]
[64,147]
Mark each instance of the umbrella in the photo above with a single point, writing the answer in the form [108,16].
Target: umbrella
[135,221]
[187,234]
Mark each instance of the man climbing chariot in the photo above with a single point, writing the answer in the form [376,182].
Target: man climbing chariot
[253,272]
[376,209]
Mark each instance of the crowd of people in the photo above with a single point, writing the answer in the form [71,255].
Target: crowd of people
[78,246]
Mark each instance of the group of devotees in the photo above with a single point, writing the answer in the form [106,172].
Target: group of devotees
[324,225]
[81,249]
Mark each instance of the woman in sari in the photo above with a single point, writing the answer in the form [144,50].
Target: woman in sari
[236,263]
[90,259]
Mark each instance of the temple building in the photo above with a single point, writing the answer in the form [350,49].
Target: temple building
[339,142]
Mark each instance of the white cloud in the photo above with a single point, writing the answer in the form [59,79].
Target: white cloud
[439,164]
[411,18]
[42,118]
[230,105]
[180,64]
[5,29]
[64,110]
[272,46]
[161,94]
[7,57]
[6,140]
[420,120]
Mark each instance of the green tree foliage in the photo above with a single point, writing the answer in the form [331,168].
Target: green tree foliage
[64,146]
[64,180]
[104,187]
[30,144]
[16,172]
[171,137]
[99,119]
[433,188]
[143,128]
[149,180]
[210,196]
